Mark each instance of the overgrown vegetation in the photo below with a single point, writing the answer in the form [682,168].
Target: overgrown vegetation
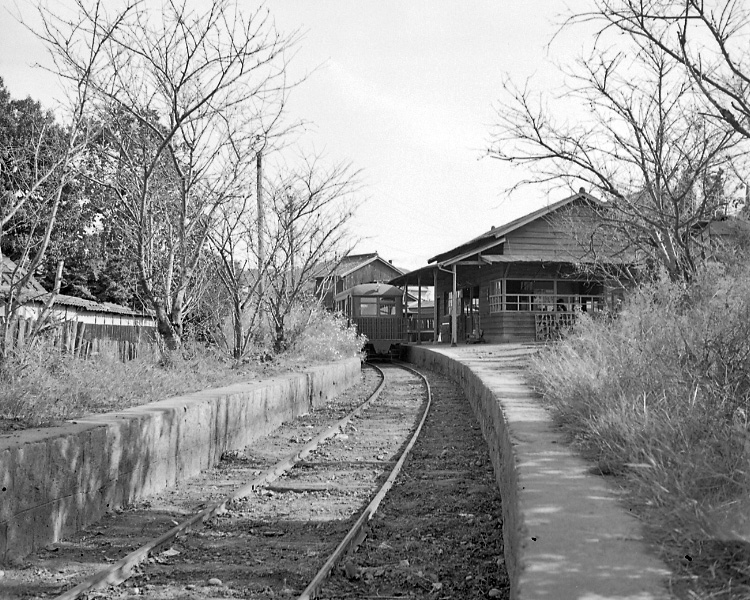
[660,397]
[41,386]
[151,191]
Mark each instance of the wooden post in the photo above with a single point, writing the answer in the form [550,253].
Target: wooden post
[80,345]
[435,316]
[419,308]
[454,310]
[65,336]
[30,324]
[21,323]
[73,337]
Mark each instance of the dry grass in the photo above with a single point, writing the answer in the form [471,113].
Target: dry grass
[660,398]
[41,386]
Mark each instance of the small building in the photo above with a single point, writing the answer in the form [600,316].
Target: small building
[100,320]
[522,281]
[350,271]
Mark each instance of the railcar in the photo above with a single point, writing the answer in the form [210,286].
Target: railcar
[377,311]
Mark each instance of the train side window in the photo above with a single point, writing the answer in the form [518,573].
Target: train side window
[368,307]
[387,307]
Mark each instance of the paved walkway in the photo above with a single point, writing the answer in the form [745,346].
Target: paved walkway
[568,535]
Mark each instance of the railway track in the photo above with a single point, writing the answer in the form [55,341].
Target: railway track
[280,520]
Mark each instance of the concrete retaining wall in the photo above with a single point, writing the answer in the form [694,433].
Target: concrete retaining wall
[566,535]
[57,480]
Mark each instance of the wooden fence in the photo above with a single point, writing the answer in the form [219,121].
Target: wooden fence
[85,339]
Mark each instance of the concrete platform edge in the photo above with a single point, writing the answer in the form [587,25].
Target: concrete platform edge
[565,533]
[54,481]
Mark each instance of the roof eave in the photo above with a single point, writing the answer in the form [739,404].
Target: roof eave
[503,230]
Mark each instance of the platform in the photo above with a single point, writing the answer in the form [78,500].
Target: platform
[568,535]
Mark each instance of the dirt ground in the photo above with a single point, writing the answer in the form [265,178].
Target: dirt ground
[438,533]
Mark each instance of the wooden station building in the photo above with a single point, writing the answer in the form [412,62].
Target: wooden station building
[522,281]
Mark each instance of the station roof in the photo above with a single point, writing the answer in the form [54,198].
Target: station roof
[496,235]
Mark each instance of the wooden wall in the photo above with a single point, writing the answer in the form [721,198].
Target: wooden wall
[505,326]
[374,272]
[552,235]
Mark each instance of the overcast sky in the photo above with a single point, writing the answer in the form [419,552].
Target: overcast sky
[405,91]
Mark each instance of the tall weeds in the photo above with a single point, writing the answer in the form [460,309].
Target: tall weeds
[41,386]
[661,393]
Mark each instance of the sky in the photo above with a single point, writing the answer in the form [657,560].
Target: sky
[404,90]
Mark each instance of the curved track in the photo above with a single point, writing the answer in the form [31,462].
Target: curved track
[276,520]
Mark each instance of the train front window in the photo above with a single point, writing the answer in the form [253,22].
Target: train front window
[387,307]
[368,307]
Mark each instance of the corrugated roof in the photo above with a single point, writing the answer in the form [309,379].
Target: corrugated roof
[93,306]
[9,267]
[35,292]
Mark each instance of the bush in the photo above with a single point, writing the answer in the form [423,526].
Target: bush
[661,394]
[42,386]
[317,335]
[39,385]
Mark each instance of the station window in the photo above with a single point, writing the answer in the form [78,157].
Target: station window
[496,296]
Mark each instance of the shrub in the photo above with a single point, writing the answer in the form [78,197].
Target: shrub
[661,394]
[39,385]
[43,386]
[319,335]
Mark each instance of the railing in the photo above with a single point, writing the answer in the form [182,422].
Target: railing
[553,326]
[554,303]
[381,328]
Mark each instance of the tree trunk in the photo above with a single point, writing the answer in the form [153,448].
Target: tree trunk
[279,343]
[167,332]
[239,333]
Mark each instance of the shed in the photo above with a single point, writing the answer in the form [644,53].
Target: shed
[103,320]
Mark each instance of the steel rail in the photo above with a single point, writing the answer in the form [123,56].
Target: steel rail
[121,570]
[358,532]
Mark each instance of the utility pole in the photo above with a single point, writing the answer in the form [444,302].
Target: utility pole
[290,233]
[260,222]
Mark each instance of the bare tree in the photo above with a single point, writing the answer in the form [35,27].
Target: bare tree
[310,208]
[241,272]
[186,101]
[639,140]
[708,38]
[38,172]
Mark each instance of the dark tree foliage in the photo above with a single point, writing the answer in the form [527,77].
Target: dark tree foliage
[30,141]
[87,236]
